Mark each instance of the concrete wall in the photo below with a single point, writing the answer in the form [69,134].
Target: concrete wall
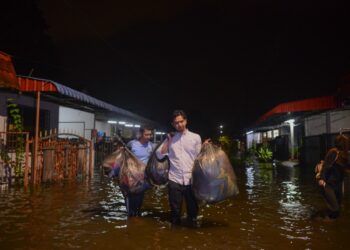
[76,121]
[315,125]
[253,138]
[339,119]
[327,123]
[320,133]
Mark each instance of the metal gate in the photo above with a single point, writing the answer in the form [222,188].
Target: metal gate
[63,156]
[60,156]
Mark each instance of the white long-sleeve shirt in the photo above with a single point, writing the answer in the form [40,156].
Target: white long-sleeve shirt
[183,150]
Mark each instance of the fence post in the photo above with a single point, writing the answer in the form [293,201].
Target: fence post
[26,161]
[90,159]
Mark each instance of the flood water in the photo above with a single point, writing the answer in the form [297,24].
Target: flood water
[272,211]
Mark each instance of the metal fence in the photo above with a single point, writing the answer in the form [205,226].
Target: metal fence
[60,156]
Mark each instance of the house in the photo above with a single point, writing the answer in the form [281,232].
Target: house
[67,116]
[302,130]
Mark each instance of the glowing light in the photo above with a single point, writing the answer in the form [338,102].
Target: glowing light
[291,121]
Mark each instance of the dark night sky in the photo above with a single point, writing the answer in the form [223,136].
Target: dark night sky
[221,61]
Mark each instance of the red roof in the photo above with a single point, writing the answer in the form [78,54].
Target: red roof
[31,84]
[8,78]
[314,104]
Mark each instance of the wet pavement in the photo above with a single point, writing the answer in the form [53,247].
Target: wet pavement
[272,211]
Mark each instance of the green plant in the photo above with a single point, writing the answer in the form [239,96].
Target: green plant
[225,143]
[264,154]
[16,125]
[250,155]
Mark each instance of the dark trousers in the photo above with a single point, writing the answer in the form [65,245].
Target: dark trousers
[133,203]
[176,194]
[333,197]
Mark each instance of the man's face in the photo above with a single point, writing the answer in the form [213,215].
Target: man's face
[147,135]
[179,123]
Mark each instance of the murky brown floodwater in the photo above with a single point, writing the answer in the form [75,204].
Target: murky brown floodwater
[272,211]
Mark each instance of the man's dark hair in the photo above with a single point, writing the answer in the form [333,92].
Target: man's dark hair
[179,112]
[145,127]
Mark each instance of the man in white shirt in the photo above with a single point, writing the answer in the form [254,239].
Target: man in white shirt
[182,149]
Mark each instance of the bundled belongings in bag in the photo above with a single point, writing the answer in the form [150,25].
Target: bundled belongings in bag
[132,174]
[213,178]
[112,163]
[321,165]
[157,170]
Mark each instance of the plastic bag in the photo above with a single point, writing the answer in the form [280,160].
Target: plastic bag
[132,174]
[157,170]
[213,177]
[112,163]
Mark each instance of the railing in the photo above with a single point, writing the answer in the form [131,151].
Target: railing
[60,156]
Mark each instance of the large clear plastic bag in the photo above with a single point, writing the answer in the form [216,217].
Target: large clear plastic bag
[129,170]
[157,170]
[112,163]
[132,174]
[213,177]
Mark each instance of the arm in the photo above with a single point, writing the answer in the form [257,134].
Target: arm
[330,158]
[164,148]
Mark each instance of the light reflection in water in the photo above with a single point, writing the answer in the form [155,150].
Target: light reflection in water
[293,211]
[250,179]
[114,204]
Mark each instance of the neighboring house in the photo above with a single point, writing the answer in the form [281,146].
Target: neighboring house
[68,110]
[302,129]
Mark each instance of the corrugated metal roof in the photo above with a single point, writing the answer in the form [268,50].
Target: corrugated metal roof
[30,84]
[313,104]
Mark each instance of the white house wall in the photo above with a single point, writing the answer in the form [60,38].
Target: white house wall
[76,121]
[250,138]
[339,119]
[103,126]
[257,138]
[315,125]
[253,138]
